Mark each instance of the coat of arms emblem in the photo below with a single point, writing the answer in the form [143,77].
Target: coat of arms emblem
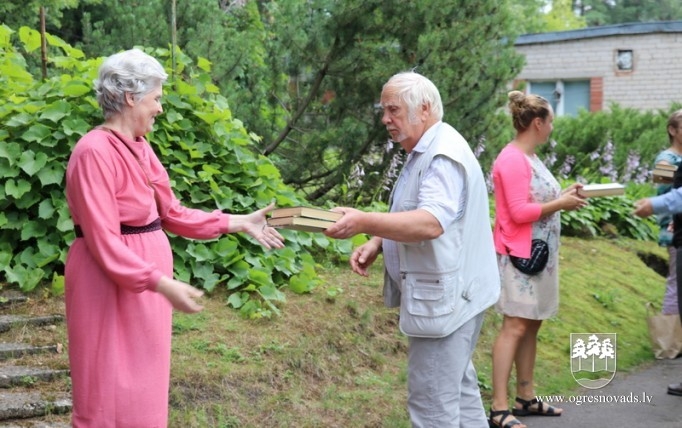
[593,358]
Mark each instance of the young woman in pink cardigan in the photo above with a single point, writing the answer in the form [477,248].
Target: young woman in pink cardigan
[528,200]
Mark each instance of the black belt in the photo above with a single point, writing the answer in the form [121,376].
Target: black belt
[128,230]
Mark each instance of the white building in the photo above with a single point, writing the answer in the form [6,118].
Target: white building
[637,65]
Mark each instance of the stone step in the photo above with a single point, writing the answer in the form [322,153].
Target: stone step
[11,299]
[8,321]
[16,350]
[23,405]
[35,424]
[22,375]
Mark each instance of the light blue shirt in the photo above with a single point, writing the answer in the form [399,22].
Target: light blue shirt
[668,203]
[441,193]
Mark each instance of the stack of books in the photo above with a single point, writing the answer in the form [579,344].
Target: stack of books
[663,173]
[597,190]
[303,218]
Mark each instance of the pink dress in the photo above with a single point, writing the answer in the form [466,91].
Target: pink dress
[119,328]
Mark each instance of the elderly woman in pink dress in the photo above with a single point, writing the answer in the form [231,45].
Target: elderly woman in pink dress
[120,290]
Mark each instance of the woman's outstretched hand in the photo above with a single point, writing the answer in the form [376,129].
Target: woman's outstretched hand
[255,224]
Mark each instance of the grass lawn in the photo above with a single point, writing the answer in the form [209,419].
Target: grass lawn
[340,361]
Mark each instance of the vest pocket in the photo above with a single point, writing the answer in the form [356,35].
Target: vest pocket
[429,295]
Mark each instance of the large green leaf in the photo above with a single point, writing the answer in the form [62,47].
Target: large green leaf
[300,284]
[57,284]
[17,188]
[173,116]
[259,277]
[270,292]
[11,71]
[5,258]
[75,126]
[33,229]
[5,36]
[205,273]
[27,278]
[10,151]
[32,162]
[199,251]
[225,247]
[64,222]
[30,38]
[51,174]
[46,209]
[236,300]
[28,200]
[76,89]
[20,119]
[56,111]
[70,51]
[36,132]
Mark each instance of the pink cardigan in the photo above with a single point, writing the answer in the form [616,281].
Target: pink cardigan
[515,211]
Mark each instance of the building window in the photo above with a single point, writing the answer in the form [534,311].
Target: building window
[624,59]
[567,97]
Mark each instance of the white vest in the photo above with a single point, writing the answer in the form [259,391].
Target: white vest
[444,282]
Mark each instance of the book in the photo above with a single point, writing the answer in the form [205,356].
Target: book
[663,173]
[307,212]
[305,224]
[662,176]
[665,166]
[598,190]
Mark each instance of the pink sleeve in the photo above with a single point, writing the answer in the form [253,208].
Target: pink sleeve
[194,223]
[180,220]
[92,201]
[513,173]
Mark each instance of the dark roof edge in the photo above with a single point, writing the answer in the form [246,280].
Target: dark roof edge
[603,31]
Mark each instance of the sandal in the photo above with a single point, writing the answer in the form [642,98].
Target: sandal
[504,416]
[542,409]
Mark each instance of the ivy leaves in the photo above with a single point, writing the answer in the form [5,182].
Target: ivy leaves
[204,148]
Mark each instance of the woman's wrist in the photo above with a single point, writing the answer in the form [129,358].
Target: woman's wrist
[378,243]
[228,223]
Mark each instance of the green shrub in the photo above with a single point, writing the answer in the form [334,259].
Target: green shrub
[205,150]
[616,145]
[609,217]
[613,143]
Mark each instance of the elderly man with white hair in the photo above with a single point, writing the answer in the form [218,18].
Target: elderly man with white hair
[440,263]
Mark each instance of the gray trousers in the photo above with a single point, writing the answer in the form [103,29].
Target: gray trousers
[442,383]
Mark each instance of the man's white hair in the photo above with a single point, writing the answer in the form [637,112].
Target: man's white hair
[415,91]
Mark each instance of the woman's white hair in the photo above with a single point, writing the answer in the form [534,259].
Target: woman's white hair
[131,71]
[415,91]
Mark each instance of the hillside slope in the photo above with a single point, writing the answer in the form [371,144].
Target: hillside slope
[338,360]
